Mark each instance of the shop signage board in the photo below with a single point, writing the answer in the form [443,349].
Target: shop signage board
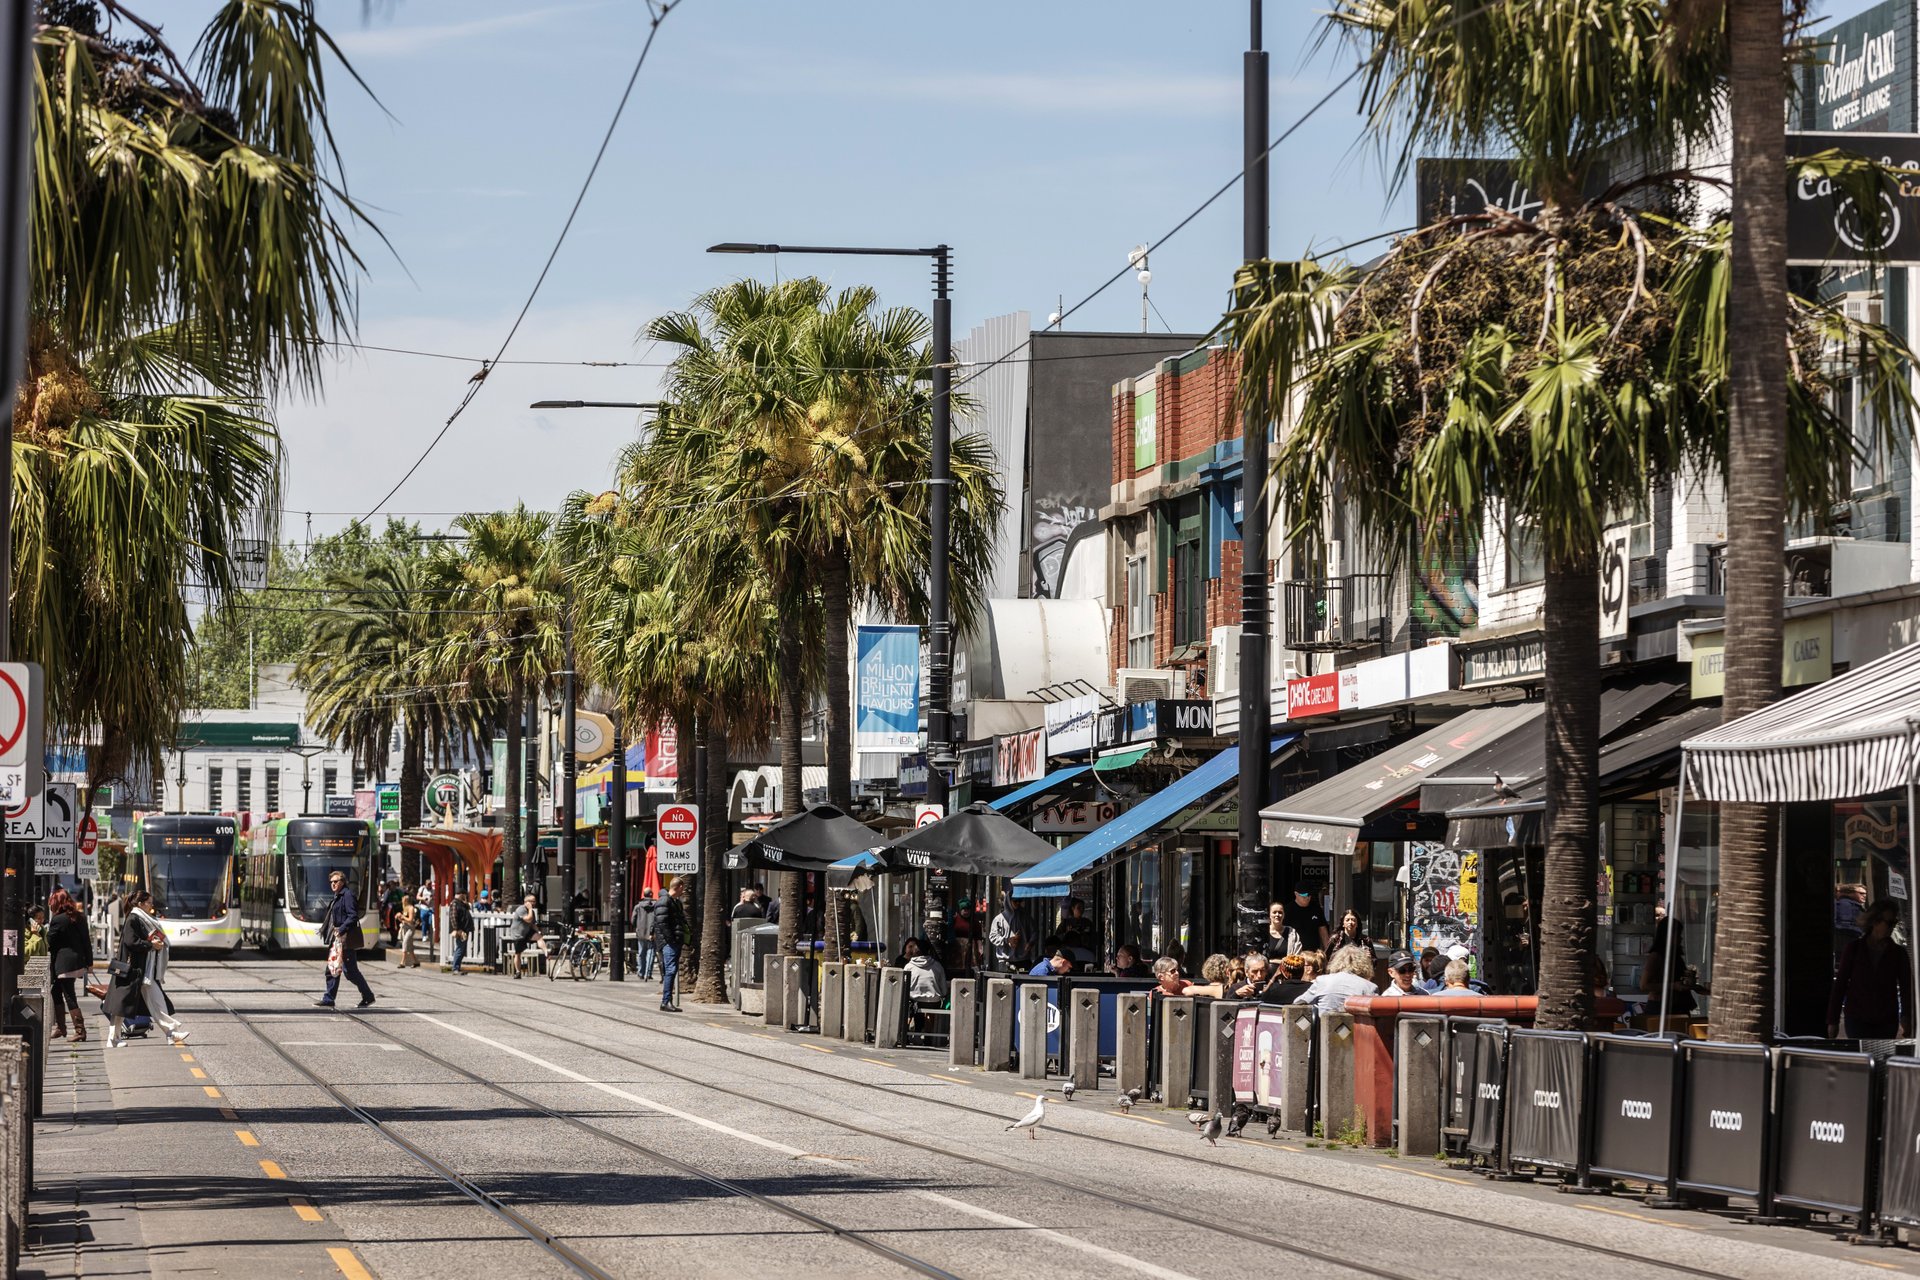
[1313,695]
[1144,421]
[1070,724]
[339,806]
[912,775]
[1019,757]
[1503,661]
[1824,226]
[1075,817]
[678,840]
[1860,75]
[388,795]
[1159,718]
[1806,656]
[443,795]
[1614,596]
[1377,682]
[886,694]
[592,735]
[1110,728]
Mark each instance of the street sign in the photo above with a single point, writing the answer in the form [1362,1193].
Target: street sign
[53,848]
[26,817]
[53,859]
[87,849]
[388,796]
[22,730]
[678,848]
[927,814]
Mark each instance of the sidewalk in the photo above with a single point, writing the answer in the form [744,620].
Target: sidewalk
[143,1169]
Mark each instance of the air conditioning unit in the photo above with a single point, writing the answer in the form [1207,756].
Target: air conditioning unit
[1223,661]
[1862,307]
[1142,684]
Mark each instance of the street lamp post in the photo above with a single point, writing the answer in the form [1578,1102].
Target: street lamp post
[307,751]
[940,747]
[617,838]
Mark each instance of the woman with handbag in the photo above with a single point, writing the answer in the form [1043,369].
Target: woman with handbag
[407,925]
[144,944]
[71,944]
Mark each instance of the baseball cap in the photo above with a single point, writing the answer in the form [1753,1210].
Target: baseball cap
[1401,960]
[1457,952]
[1303,891]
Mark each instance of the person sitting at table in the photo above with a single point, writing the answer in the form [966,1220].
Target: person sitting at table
[1289,982]
[1127,964]
[1453,981]
[1349,973]
[1215,973]
[1058,962]
[1167,970]
[926,978]
[1254,981]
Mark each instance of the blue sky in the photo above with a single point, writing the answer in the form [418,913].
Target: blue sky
[1041,139]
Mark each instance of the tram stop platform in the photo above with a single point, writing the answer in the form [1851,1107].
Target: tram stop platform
[141,1167]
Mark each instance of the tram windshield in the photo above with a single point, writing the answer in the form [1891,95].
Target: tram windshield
[311,859]
[189,873]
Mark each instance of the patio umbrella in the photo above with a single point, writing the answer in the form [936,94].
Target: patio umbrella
[810,841]
[978,840]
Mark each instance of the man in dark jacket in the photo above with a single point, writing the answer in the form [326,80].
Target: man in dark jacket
[462,922]
[670,931]
[343,923]
[645,952]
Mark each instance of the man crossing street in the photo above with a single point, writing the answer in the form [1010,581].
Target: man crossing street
[342,931]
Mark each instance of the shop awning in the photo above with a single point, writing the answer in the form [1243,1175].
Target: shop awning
[978,840]
[1052,782]
[1492,822]
[1327,816]
[1123,758]
[840,874]
[1852,736]
[1050,878]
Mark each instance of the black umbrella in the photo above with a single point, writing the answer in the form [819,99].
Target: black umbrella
[978,840]
[810,841]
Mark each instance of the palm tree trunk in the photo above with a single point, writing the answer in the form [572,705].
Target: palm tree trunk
[1756,503]
[792,794]
[512,874]
[710,987]
[837,600]
[1567,916]
[413,782]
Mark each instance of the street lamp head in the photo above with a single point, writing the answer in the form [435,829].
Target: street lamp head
[736,246]
[556,404]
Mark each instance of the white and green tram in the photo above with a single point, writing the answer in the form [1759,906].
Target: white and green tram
[288,864]
[187,861]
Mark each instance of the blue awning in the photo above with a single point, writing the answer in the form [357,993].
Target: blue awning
[1033,789]
[840,874]
[1051,878]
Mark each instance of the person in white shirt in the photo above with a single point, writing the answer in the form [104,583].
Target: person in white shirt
[142,922]
[1349,973]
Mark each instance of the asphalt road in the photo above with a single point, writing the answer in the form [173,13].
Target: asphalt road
[480,1127]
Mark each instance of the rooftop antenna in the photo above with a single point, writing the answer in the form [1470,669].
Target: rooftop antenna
[1137,258]
[1059,312]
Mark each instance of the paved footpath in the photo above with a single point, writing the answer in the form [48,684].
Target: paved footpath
[487,1127]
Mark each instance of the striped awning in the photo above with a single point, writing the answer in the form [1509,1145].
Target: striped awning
[1852,736]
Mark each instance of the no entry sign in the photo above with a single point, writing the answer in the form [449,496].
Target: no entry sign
[678,846]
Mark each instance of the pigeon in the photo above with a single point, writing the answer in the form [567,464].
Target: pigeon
[1125,1104]
[1031,1120]
[1503,788]
[1211,1130]
[1241,1114]
[1066,1091]
[1133,1094]
[1197,1118]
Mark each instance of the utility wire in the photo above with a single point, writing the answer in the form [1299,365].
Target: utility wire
[659,15]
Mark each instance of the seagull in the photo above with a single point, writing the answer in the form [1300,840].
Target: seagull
[1032,1119]
[1211,1130]
[1066,1091]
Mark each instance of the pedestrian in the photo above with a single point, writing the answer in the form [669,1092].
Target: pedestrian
[1004,944]
[424,906]
[670,932]
[645,953]
[143,922]
[748,908]
[1352,933]
[1306,918]
[1282,938]
[524,933]
[769,907]
[36,944]
[341,931]
[407,925]
[462,922]
[1874,986]
[1349,973]
[70,943]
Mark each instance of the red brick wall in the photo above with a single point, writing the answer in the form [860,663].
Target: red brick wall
[1192,413]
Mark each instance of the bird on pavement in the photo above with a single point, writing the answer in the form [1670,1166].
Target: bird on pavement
[1031,1120]
[1066,1091]
[1197,1118]
[1125,1104]
[1133,1094]
[1241,1114]
[1211,1130]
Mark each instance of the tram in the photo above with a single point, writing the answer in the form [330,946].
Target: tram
[186,861]
[286,895]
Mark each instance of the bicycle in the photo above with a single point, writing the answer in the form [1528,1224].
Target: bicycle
[584,955]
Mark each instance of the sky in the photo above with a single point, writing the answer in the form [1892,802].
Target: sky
[1042,139]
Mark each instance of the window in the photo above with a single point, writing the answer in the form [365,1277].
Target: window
[273,788]
[359,778]
[243,786]
[1189,581]
[216,792]
[1139,612]
[1526,558]
[330,780]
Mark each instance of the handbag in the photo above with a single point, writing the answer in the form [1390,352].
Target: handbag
[119,968]
[97,990]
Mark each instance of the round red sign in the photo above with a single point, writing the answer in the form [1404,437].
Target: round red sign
[677,824]
[89,835]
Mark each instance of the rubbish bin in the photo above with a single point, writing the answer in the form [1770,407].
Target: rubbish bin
[1723,1129]
[1825,1124]
[1636,1095]
[1546,1098]
[753,942]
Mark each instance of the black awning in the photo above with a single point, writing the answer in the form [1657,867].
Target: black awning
[809,841]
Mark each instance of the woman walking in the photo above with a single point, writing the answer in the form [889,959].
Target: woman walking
[407,923]
[70,942]
[1874,986]
[143,944]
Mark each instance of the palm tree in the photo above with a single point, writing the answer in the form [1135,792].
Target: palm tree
[1542,373]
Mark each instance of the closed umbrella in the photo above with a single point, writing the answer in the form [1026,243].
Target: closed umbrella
[810,841]
[978,840]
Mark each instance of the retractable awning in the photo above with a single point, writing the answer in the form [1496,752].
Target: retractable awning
[1492,822]
[1050,879]
[1327,816]
[1852,736]
[1054,781]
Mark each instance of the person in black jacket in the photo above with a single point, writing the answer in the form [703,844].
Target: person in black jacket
[670,931]
[645,953]
[462,922]
[70,944]
[342,926]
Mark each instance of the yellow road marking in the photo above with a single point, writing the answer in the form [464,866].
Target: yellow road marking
[1024,1094]
[306,1211]
[817,1048]
[1637,1217]
[1888,1265]
[1285,1147]
[198,1074]
[246,1139]
[349,1265]
[272,1170]
[1437,1177]
[186,1057]
[955,1079]
[211,1091]
[878,1062]
[1149,1120]
[763,1035]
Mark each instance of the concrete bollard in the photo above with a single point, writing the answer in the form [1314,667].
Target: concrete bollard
[1296,1069]
[890,1027]
[1338,1111]
[1417,1086]
[799,986]
[962,996]
[855,1013]
[775,970]
[997,1055]
[1130,1066]
[1176,1051]
[833,991]
[1218,1058]
[1083,1039]
[1033,1031]
[16,1123]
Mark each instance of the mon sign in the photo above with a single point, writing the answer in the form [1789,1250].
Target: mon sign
[1825,226]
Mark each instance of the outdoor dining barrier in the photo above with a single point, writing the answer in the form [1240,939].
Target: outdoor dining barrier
[1899,1200]
[1636,1100]
[854,1011]
[1298,1093]
[890,1023]
[1419,1049]
[1213,1054]
[1825,1126]
[1132,1042]
[1486,1132]
[1175,1031]
[963,1040]
[1545,1099]
[1459,1053]
[1108,989]
[16,1127]
[996,1016]
[1036,1027]
[1339,1106]
[773,989]
[1724,1146]
[1083,1037]
[833,991]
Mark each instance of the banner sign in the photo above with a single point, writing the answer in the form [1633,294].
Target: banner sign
[1547,1090]
[663,759]
[1489,1083]
[912,777]
[1636,1081]
[1020,757]
[1824,1157]
[1615,542]
[1900,1148]
[1070,725]
[886,699]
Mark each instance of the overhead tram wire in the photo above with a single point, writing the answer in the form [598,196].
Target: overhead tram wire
[659,9]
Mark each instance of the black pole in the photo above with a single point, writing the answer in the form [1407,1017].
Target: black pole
[617,837]
[534,874]
[940,746]
[1253,868]
[569,765]
[16,199]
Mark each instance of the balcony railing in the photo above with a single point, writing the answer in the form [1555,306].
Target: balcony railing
[1327,614]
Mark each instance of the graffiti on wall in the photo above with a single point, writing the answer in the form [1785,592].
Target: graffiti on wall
[1443,897]
[1446,584]
[1055,520]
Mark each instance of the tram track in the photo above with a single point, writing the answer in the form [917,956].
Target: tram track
[1460,1219]
[523,1225]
